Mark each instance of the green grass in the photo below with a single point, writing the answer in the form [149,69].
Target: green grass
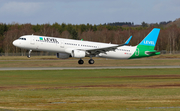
[116,89]
[55,58]
[52,61]
[98,62]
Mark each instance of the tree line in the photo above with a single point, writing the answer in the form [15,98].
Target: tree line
[169,37]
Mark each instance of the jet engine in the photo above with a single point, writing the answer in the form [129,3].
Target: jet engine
[78,53]
[62,55]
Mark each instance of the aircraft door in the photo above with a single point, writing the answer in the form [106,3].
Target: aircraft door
[137,52]
[62,44]
[98,46]
[32,40]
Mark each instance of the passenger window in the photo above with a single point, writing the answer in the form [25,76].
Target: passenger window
[22,39]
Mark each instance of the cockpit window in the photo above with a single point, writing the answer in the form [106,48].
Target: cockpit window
[22,39]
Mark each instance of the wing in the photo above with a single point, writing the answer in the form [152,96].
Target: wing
[105,49]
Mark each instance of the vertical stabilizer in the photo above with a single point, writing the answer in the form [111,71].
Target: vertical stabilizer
[151,38]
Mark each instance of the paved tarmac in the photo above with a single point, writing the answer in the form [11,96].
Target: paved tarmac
[74,68]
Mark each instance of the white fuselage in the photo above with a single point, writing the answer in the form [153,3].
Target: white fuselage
[60,45]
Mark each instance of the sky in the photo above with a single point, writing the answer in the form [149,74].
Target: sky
[88,11]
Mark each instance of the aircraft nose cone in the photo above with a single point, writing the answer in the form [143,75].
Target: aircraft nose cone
[15,43]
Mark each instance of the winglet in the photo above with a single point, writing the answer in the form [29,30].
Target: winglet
[127,42]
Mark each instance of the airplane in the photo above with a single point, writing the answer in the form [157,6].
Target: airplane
[66,48]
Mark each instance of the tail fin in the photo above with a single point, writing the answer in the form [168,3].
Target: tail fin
[151,38]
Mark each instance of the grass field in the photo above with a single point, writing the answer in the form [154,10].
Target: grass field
[52,61]
[96,90]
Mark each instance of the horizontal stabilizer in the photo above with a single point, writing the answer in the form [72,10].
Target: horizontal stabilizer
[153,52]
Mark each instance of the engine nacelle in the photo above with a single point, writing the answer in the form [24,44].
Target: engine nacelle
[63,55]
[78,53]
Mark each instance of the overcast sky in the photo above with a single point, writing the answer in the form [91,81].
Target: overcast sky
[88,11]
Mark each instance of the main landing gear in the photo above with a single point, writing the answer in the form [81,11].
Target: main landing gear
[29,54]
[91,61]
[81,61]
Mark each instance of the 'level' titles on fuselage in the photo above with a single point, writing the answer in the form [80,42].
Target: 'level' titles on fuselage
[49,40]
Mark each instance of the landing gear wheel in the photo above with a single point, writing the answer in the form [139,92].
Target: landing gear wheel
[91,61]
[28,56]
[81,61]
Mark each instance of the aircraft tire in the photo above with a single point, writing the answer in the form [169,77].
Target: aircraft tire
[81,61]
[91,61]
[28,56]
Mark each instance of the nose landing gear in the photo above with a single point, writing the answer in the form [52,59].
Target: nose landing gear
[29,54]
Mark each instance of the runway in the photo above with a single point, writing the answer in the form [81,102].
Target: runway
[79,68]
